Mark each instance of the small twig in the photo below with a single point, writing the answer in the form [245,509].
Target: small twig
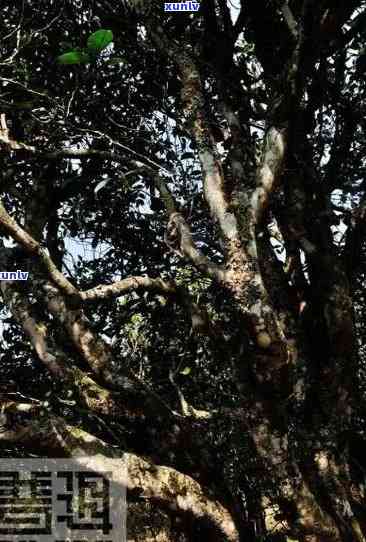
[31,91]
[48,25]
[157,397]
[71,100]
[18,25]
[187,409]
[131,151]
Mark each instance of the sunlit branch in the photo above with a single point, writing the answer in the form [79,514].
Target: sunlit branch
[33,248]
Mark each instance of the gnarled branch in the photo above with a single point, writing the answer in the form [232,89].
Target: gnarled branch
[160,484]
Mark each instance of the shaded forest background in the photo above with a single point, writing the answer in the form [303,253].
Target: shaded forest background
[189,201]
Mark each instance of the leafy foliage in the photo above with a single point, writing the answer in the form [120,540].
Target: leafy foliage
[103,220]
[96,43]
[74,57]
[99,40]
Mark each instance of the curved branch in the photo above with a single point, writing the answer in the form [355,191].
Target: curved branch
[57,363]
[35,249]
[197,315]
[158,483]
[194,108]
[167,485]
[130,284]
[179,239]
[269,171]
[96,352]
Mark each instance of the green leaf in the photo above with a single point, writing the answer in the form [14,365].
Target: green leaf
[99,40]
[186,371]
[74,57]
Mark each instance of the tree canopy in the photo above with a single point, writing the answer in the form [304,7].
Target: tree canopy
[187,193]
